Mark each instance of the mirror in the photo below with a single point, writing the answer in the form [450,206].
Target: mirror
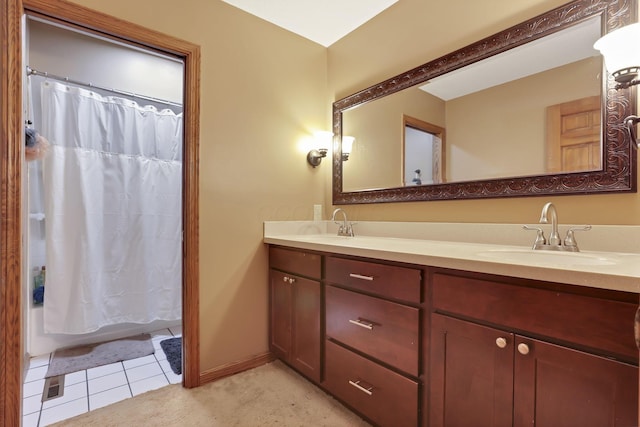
[498,132]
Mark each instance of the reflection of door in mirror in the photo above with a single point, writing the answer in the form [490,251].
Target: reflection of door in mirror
[422,153]
[573,136]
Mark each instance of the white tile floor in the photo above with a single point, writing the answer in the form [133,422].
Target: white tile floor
[96,387]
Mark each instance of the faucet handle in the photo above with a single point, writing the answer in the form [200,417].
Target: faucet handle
[570,240]
[346,230]
[540,239]
[349,229]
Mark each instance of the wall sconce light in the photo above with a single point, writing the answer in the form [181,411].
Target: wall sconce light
[323,140]
[621,52]
[347,145]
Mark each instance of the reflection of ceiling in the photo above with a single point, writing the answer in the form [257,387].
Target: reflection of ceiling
[570,45]
[322,21]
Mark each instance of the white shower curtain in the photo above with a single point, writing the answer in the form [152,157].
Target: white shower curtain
[113,211]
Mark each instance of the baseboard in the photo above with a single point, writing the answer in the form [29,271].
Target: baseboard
[233,368]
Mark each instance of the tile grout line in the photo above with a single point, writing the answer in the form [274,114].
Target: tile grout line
[41,403]
[128,382]
[40,412]
[86,381]
[163,372]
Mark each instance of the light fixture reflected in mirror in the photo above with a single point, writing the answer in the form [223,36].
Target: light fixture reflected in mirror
[621,52]
[323,140]
[347,146]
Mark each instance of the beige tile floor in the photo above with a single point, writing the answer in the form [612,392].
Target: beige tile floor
[96,387]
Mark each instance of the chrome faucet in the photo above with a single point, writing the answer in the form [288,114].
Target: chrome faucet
[554,243]
[346,228]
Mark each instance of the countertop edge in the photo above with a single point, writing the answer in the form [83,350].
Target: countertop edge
[593,279]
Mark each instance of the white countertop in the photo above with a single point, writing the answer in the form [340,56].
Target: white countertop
[597,269]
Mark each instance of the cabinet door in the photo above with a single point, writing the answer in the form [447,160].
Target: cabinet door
[305,347]
[280,307]
[560,387]
[471,374]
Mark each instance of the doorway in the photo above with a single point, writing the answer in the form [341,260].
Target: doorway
[423,152]
[81,211]
[12,168]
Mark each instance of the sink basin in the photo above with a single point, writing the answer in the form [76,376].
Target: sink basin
[547,257]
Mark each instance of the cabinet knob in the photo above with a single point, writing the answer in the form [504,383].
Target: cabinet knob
[523,348]
[501,342]
[287,279]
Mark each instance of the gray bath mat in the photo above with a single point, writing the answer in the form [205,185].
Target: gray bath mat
[172,347]
[67,360]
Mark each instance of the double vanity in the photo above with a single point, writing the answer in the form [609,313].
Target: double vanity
[474,325]
[437,324]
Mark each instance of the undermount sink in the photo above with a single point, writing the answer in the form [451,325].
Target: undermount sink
[547,257]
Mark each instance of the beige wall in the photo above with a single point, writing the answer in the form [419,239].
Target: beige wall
[412,32]
[263,91]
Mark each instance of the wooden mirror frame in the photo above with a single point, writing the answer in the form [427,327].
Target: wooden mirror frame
[619,169]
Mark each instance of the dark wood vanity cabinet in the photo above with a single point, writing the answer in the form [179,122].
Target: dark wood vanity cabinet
[510,355]
[295,309]
[407,345]
[373,338]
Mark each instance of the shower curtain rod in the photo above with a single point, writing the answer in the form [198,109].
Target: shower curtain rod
[31,71]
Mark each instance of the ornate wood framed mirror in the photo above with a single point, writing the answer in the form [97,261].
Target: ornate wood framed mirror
[525,165]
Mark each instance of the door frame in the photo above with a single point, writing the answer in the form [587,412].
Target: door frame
[421,125]
[12,167]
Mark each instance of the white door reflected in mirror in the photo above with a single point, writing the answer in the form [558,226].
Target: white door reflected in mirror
[422,157]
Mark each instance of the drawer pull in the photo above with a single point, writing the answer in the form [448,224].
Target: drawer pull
[357,385]
[362,324]
[360,276]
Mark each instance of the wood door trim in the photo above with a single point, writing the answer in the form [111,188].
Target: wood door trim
[12,165]
[10,214]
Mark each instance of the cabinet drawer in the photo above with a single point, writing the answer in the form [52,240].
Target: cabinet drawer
[302,263]
[385,330]
[383,396]
[388,281]
[588,321]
